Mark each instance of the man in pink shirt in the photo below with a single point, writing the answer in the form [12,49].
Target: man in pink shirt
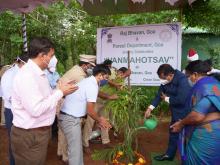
[34,105]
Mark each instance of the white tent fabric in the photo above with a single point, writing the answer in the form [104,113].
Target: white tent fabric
[171,2]
[134,6]
[106,7]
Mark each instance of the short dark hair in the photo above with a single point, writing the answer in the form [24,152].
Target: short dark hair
[83,63]
[107,62]
[39,45]
[123,69]
[101,68]
[198,66]
[165,69]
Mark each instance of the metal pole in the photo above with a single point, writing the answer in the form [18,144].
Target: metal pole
[129,79]
[24,33]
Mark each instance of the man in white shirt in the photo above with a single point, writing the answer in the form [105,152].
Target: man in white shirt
[34,105]
[53,78]
[6,86]
[76,73]
[77,105]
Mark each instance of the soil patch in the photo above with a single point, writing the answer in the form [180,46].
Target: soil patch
[149,142]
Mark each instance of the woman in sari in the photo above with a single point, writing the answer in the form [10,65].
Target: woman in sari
[202,124]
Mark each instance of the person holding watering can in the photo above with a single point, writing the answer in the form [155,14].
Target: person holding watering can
[174,90]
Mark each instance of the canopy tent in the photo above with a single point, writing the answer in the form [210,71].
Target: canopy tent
[105,7]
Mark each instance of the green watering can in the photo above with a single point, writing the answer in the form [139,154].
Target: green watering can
[149,124]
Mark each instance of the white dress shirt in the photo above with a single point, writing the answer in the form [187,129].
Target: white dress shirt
[33,101]
[75,104]
[6,85]
[0,90]
[213,70]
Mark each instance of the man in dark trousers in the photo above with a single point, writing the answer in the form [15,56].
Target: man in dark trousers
[173,90]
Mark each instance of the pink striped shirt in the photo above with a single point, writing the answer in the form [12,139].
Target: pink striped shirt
[33,101]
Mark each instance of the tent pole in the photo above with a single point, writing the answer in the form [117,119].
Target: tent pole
[129,61]
[24,33]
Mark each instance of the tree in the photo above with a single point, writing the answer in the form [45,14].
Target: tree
[204,14]
[74,31]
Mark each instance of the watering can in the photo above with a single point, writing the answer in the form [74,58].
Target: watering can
[149,124]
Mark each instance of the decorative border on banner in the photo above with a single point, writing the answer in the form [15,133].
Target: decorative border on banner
[174,27]
[104,31]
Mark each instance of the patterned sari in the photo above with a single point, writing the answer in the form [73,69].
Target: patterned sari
[201,143]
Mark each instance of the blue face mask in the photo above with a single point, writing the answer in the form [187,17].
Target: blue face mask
[103,82]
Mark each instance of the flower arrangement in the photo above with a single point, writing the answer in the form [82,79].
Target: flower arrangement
[140,159]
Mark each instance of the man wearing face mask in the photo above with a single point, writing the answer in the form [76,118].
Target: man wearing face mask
[76,73]
[113,70]
[174,90]
[76,106]
[80,71]
[34,105]
[52,75]
[6,86]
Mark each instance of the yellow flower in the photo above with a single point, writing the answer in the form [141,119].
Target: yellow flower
[120,153]
[130,164]
[114,161]
[141,160]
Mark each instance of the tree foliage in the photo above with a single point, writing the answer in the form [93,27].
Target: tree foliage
[74,31]
[204,14]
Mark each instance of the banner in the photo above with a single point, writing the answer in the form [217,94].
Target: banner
[149,45]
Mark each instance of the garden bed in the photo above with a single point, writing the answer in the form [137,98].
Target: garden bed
[149,142]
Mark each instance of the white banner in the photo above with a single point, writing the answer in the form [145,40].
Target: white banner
[149,46]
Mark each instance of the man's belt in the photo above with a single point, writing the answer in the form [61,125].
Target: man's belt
[35,129]
[64,113]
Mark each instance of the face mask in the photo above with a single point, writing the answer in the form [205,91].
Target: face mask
[190,82]
[164,82]
[89,71]
[52,64]
[103,82]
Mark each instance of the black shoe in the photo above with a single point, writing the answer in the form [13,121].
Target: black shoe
[163,157]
